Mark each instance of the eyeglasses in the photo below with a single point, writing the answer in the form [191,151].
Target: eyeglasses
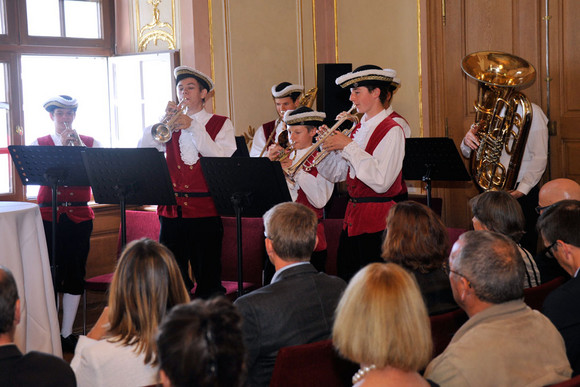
[539,209]
[448,270]
[548,252]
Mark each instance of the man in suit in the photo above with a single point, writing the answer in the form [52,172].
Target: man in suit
[34,368]
[504,342]
[550,193]
[559,226]
[298,306]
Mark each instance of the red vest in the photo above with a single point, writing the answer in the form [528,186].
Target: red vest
[302,199]
[66,194]
[189,179]
[366,218]
[268,128]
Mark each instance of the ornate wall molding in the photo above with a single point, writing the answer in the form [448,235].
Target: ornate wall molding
[160,33]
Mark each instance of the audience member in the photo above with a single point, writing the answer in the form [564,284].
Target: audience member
[298,306]
[34,368]
[382,323]
[552,192]
[417,240]
[499,211]
[559,227]
[200,344]
[504,342]
[120,349]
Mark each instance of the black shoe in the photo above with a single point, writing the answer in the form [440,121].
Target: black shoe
[69,343]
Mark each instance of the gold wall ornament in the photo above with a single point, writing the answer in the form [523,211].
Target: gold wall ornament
[161,28]
[249,136]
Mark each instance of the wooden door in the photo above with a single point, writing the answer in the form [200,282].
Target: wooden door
[456,28]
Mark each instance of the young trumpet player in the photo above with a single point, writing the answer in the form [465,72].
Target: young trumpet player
[370,159]
[307,186]
[286,97]
[192,229]
[74,218]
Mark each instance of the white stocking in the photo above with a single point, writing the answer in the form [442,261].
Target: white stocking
[70,304]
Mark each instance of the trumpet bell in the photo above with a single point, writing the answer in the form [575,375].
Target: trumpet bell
[161,133]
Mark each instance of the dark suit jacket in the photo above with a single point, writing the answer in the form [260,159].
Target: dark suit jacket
[562,307]
[33,369]
[297,308]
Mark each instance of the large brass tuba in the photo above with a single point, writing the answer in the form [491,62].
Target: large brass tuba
[499,76]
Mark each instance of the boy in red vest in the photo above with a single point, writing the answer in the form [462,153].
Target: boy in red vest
[74,218]
[371,161]
[286,97]
[192,229]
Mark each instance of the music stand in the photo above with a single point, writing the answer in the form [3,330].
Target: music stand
[432,158]
[51,166]
[128,176]
[250,185]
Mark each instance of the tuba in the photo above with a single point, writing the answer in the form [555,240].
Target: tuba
[499,76]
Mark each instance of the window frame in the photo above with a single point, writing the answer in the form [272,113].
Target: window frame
[17,43]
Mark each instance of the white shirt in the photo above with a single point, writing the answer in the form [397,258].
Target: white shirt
[195,140]
[379,170]
[259,140]
[535,154]
[317,189]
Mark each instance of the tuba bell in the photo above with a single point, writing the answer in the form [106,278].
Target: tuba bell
[499,76]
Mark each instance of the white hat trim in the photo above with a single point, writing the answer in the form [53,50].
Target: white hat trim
[286,91]
[386,75]
[62,103]
[194,73]
[291,119]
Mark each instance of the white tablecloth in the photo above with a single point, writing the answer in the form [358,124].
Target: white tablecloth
[23,250]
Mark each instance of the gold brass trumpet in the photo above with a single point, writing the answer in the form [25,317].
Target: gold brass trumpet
[74,139]
[284,142]
[161,132]
[304,162]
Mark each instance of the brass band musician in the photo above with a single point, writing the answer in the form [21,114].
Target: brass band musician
[192,229]
[370,159]
[307,187]
[286,97]
[74,218]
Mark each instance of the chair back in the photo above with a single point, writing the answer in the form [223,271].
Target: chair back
[535,296]
[139,224]
[313,365]
[443,327]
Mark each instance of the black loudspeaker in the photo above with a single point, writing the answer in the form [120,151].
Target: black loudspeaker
[331,98]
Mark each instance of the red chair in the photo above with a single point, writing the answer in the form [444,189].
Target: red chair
[313,365]
[535,296]
[444,326]
[332,230]
[574,382]
[253,255]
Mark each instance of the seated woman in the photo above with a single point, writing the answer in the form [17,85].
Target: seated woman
[417,240]
[200,344]
[120,349]
[500,212]
[382,324]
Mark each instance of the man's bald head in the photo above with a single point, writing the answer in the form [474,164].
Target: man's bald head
[558,189]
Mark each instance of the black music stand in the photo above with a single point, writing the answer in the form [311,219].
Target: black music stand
[51,166]
[432,158]
[250,186]
[128,176]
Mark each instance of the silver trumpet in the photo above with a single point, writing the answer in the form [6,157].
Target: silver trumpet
[161,132]
[73,139]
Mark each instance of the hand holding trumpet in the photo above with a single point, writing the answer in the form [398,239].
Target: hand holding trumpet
[176,116]
[70,137]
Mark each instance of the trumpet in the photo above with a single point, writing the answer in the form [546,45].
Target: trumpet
[271,136]
[73,139]
[289,152]
[304,162]
[161,131]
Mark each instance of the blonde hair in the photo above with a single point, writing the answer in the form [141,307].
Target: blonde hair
[146,284]
[382,320]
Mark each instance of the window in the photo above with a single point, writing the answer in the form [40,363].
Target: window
[51,47]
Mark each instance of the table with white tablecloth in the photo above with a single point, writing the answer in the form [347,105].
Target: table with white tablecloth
[23,251]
